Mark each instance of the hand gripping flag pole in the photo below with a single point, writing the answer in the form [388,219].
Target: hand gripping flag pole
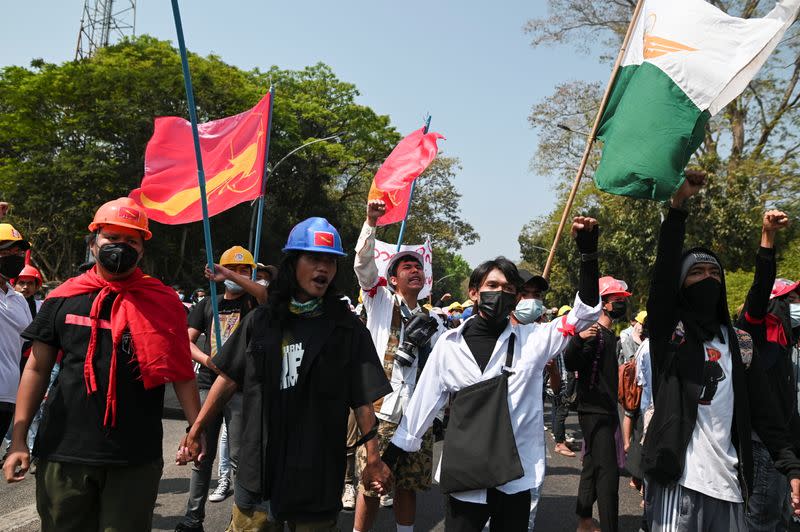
[260,221]
[201,177]
[590,141]
[411,195]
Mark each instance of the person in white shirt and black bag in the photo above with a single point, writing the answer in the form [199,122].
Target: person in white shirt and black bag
[494,446]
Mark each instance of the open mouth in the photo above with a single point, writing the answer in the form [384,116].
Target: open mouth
[320,282]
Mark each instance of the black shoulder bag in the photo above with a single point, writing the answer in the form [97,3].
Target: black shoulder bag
[480,450]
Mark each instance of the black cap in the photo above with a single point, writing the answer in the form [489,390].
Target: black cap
[527,277]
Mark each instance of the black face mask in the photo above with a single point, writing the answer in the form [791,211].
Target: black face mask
[117,258]
[11,265]
[703,297]
[618,309]
[496,305]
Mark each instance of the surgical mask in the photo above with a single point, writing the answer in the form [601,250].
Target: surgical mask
[118,257]
[232,287]
[794,314]
[496,305]
[618,309]
[11,265]
[200,298]
[263,282]
[529,310]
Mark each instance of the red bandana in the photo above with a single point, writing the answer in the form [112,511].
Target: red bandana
[157,324]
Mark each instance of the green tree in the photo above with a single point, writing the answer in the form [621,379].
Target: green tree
[73,136]
[749,153]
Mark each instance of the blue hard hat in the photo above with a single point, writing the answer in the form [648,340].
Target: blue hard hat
[315,235]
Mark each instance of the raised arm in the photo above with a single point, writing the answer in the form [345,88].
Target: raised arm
[662,303]
[365,267]
[222,274]
[758,297]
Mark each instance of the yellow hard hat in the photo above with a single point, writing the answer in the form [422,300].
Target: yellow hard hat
[428,307]
[455,306]
[10,236]
[237,255]
[641,316]
[563,310]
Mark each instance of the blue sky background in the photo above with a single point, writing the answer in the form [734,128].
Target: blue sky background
[468,64]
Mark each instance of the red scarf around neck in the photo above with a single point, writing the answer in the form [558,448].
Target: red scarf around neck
[157,324]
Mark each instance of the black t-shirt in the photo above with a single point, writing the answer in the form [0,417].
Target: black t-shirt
[231,314]
[72,429]
[298,384]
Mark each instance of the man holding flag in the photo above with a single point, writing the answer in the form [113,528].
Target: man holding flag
[390,304]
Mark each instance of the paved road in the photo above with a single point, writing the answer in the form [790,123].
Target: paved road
[556,509]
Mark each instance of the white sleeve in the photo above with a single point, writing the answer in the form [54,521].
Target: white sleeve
[429,397]
[364,265]
[550,339]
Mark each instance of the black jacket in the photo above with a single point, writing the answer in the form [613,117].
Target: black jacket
[678,377]
[302,472]
[777,359]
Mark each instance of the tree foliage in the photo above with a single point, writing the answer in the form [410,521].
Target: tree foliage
[749,153]
[73,136]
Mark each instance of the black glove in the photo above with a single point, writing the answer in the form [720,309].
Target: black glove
[587,240]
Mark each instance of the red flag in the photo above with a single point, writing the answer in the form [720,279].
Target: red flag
[233,160]
[392,182]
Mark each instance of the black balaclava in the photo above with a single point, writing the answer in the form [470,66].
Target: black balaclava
[703,307]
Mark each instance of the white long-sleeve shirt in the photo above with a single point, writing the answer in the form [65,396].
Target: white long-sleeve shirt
[15,315]
[379,303]
[451,367]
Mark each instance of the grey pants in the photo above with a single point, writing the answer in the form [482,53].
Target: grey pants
[201,475]
[678,509]
[769,507]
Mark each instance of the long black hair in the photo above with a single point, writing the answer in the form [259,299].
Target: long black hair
[285,286]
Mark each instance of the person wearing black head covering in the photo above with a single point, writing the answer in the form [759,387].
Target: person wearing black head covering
[698,457]
[767,318]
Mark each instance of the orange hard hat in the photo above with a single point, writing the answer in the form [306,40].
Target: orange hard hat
[30,271]
[123,212]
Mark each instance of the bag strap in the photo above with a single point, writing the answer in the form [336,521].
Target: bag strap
[509,355]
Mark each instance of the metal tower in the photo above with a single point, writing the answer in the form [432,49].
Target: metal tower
[102,21]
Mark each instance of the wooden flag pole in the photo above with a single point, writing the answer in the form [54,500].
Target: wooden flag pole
[590,140]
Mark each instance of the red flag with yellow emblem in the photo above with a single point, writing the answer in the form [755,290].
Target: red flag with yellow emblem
[393,180]
[233,160]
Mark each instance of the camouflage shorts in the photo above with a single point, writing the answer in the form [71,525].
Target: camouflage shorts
[413,471]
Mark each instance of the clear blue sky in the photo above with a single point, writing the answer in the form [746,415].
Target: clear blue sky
[466,63]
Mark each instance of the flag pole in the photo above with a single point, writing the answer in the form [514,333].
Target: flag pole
[590,140]
[410,195]
[201,177]
[260,220]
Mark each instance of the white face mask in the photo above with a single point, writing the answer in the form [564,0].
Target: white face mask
[794,314]
[232,287]
[263,282]
[529,310]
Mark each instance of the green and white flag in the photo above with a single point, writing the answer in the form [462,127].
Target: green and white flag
[685,61]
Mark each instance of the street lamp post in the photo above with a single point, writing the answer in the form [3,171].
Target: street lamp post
[271,169]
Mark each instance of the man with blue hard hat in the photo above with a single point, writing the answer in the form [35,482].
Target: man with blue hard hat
[302,361]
